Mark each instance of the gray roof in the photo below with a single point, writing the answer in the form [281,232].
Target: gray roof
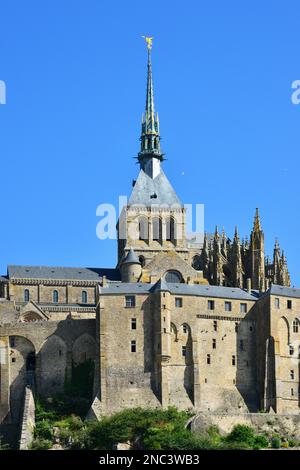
[131,258]
[162,285]
[3,279]
[60,272]
[285,291]
[146,187]
[181,289]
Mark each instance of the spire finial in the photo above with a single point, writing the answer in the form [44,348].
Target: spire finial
[150,154]
[257,226]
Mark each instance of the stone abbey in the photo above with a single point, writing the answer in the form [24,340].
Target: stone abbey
[210,327]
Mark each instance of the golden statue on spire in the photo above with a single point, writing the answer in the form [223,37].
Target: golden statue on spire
[148,41]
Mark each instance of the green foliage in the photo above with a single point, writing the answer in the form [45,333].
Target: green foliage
[276,442]
[244,436]
[241,433]
[292,443]
[43,429]
[41,444]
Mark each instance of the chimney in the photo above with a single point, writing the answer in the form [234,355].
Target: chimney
[249,285]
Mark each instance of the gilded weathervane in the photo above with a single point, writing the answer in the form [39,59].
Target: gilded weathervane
[148,41]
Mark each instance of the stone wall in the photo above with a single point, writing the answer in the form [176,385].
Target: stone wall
[27,420]
[285,425]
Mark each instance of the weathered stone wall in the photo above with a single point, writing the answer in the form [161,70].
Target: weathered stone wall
[27,420]
[285,425]
[54,346]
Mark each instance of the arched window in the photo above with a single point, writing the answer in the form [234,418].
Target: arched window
[84,297]
[170,230]
[173,276]
[26,295]
[295,326]
[156,229]
[55,296]
[143,229]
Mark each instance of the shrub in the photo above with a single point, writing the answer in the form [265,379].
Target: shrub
[276,443]
[241,433]
[41,444]
[292,443]
[43,430]
[260,442]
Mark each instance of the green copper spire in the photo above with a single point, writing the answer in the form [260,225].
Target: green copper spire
[150,154]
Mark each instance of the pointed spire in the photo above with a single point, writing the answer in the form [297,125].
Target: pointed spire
[150,154]
[257,226]
[236,234]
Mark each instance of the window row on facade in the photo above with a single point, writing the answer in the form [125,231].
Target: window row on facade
[155,229]
[279,303]
[55,296]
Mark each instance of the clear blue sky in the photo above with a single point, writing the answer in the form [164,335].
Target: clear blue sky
[76,73]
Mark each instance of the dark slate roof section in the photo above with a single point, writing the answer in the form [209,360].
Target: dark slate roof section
[62,273]
[131,258]
[181,289]
[146,187]
[284,291]
[161,285]
[3,279]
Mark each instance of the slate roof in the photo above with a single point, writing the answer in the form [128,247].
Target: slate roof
[146,186]
[3,279]
[285,291]
[131,257]
[181,289]
[61,273]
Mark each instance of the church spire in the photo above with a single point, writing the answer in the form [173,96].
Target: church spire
[150,154]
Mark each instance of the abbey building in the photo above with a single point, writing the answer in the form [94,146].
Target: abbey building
[212,327]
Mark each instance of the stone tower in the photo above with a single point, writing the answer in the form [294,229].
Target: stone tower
[154,219]
[257,255]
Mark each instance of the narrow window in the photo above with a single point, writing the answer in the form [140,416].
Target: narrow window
[243,308]
[233,360]
[291,350]
[13,359]
[170,230]
[84,297]
[133,323]
[157,229]
[227,306]
[133,346]
[178,302]
[12,341]
[215,325]
[55,296]
[214,344]
[277,303]
[211,304]
[208,359]
[241,345]
[295,326]
[292,392]
[143,229]
[184,328]
[292,375]
[289,304]
[26,295]
[129,301]
[236,328]
[184,351]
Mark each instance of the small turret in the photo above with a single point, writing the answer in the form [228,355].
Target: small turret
[131,268]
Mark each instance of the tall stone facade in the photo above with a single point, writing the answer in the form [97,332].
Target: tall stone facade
[206,327]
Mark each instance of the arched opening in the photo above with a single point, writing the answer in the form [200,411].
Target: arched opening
[142,260]
[30,362]
[170,230]
[157,229]
[84,297]
[196,263]
[143,229]
[55,296]
[26,295]
[173,276]
[283,336]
